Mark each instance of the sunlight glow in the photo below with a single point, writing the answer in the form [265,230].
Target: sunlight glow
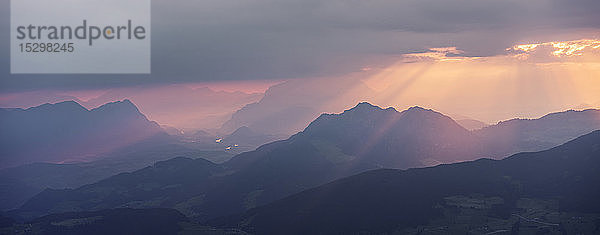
[528,81]
[438,54]
[560,48]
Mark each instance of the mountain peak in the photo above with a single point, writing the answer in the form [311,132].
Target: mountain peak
[421,112]
[365,111]
[417,108]
[65,106]
[67,130]
[68,103]
[125,106]
[363,107]
[365,104]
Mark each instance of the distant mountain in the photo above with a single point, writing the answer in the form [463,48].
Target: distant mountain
[517,135]
[385,201]
[471,124]
[388,138]
[333,146]
[181,106]
[35,98]
[328,149]
[338,145]
[67,131]
[288,108]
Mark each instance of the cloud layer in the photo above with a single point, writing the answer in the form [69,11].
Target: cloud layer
[215,40]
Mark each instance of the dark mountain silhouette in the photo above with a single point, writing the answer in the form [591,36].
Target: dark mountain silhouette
[20,183]
[385,137]
[113,221]
[6,222]
[17,184]
[124,221]
[333,146]
[164,183]
[67,131]
[382,201]
[325,151]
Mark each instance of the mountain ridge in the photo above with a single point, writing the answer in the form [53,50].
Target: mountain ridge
[370,202]
[66,130]
[333,146]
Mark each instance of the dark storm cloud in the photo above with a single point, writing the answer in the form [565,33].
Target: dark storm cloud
[262,39]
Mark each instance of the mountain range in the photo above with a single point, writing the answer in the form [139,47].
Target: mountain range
[183,106]
[333,146]
[388,201]
[17,184]
[101,142]
[67,131]
[537,134]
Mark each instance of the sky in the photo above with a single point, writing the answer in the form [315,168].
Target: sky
[527,81]
[461,52]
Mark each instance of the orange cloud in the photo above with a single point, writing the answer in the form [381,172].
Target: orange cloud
[558,48]
[535,52]
[438,54]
